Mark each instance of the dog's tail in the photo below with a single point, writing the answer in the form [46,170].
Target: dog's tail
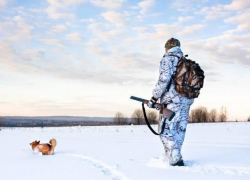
[53,144]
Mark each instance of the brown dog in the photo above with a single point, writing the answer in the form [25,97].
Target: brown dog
[46,149]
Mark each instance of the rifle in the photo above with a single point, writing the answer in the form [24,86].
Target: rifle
[168,114]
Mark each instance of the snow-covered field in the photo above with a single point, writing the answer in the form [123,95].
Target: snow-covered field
[218,151]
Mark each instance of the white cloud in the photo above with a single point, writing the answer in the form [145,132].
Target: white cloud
[238,5]
[56,7]
[53,41]
[58,28]
[114,17]
[227,48]
[25,62]
[185,18]
[220,11]
[74,37]
[96,46]
[16,29]
[108,4]
[145,6]
[64,3]
[187,5]
[165,31]
[7,54]
[104,32]
[3,3]
[140,29]
[33,55]
[24,30]
[241,18]
[94,42]
[143,10]
[90,20]
[54,13]
[19,61]
[214,12]
[242,21]
[131,61]
[190,30]
[134,7]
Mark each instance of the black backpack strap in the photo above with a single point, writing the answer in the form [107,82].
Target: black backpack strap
[146,119]
[169,84]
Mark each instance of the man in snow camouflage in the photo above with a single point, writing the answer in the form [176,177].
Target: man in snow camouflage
[174,132]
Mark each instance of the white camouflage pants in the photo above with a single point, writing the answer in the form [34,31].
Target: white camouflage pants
[174,132]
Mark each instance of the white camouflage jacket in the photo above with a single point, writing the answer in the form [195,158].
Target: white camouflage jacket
[167,69]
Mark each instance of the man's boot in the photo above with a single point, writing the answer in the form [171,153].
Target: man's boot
[179,163]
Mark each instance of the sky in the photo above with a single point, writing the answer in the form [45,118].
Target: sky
[87,57]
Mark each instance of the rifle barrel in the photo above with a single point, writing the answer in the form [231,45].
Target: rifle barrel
[138,99]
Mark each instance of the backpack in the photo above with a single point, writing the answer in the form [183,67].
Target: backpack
[188,78]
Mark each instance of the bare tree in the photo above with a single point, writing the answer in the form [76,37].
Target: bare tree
[137,117]
[198,115]
[223,114]
[152,117]
[192,116]
[120,119]
[248,118]
[1,123]
[213,115]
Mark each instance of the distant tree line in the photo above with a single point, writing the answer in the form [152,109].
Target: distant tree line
[49,123]
[201,114]
[137,118]
[197,115]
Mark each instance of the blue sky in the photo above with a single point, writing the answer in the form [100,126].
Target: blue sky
[87,57]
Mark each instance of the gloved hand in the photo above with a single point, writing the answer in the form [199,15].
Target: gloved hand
[152,102]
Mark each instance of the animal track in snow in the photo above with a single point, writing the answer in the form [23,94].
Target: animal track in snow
[102,166]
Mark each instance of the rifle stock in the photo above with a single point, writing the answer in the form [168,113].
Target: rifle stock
[166,112]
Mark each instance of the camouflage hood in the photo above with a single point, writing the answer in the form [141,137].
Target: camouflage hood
[175,51]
